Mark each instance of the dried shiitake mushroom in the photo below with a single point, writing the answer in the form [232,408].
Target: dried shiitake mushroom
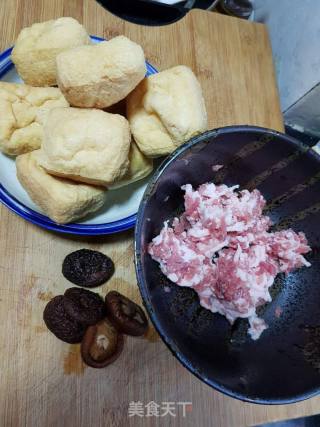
[101,345]
[87,268]
[126,315]
[84,306]
[60,323]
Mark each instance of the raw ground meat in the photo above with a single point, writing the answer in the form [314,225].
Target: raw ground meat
[221,247]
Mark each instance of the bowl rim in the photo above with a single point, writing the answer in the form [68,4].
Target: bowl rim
[142,286]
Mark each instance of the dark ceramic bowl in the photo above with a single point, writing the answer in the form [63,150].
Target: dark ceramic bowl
[283,366]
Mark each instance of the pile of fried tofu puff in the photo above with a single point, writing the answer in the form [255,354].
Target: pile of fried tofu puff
[70,150]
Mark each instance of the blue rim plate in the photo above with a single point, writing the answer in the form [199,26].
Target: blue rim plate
[43,221]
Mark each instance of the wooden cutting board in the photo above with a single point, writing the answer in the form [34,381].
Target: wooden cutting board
[42,380]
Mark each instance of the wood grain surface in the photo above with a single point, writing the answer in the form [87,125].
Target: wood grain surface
[42,380]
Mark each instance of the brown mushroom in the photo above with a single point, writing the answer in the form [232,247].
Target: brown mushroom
[126,315]
[101,344]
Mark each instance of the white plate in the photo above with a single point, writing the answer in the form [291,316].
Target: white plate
[119,212]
